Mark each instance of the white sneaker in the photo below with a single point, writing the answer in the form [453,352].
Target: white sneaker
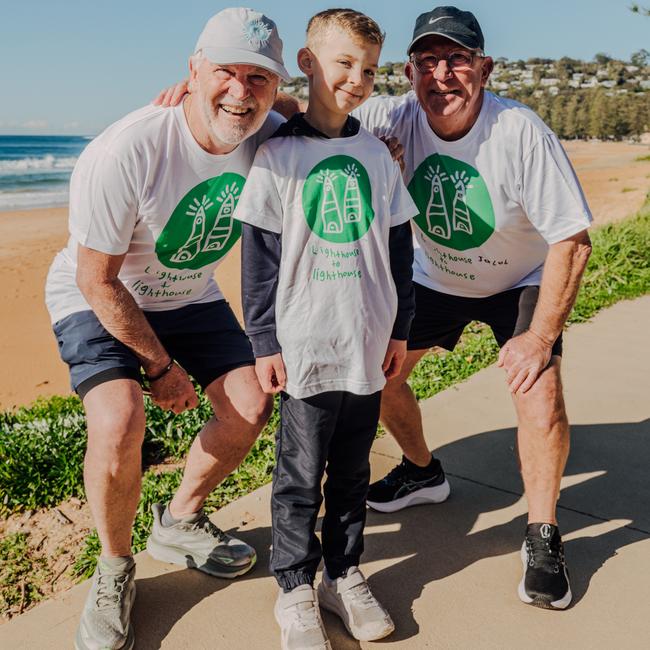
[299,619]
[351,599]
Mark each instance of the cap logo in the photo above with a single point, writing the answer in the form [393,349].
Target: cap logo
[435,20]
[257,32]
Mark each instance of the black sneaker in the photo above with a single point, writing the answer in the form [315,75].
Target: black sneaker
[546,579]
[409,485]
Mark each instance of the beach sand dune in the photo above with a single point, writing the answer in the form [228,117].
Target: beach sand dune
[614,181]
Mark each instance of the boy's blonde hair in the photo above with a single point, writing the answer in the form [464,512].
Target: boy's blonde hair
[354,23]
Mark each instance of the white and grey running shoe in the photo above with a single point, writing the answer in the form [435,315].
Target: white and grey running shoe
[351,599]
[299,619]
[545,582]
[106,618]
[409,485]
[195,542]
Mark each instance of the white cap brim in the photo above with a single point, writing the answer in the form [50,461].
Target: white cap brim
[231,55]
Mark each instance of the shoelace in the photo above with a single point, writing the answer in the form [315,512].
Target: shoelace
[545,553]
[396,474]
[204,524]
[306,618]
[110,590]
[361,596]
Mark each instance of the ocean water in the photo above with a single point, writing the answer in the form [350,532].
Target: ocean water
[35,169]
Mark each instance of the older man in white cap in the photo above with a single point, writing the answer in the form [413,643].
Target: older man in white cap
[151,209]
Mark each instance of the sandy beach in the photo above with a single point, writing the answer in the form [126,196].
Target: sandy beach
[614,182]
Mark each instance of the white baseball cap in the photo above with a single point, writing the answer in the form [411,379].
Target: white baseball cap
[239,35]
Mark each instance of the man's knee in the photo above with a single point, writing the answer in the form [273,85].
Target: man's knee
[257,409]
[240,395]
[542,408]
[116,423]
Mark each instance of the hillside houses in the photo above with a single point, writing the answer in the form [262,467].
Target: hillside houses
[562,75]
[535,75]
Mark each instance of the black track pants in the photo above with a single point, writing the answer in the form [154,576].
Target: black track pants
[330,432]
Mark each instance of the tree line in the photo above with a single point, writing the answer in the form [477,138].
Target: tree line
[590,113]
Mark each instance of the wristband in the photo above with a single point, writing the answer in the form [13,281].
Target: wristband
[161,374]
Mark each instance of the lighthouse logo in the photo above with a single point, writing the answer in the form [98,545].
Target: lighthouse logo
[201,229]
[337,200]
[454,204]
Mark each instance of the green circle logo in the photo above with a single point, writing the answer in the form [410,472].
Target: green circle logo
[201,229]
[337,200]
[454,203]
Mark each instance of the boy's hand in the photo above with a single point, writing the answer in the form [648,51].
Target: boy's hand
[271,373]
[173,95]
[395,149]
[395,355]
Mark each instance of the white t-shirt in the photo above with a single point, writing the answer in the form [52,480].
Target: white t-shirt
[334,202]
[145,187]
[489,203]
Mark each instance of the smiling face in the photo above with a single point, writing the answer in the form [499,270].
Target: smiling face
[228,102]
[341,71]
[451,99]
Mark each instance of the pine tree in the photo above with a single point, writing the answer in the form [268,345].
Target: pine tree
[557,116]
[571,127]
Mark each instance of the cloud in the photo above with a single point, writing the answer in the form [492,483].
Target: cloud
[35,124]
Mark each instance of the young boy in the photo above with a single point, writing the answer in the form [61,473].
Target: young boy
[328,300]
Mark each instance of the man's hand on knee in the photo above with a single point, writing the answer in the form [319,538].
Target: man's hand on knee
[174,391]
[524,357]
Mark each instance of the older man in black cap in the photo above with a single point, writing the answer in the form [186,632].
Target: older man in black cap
[501,238]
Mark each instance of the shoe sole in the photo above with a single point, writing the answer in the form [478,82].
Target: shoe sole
[129,644]
[540,601]
[333,606]
[435,494]
[177,555]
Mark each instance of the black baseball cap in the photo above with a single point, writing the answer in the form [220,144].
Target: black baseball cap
[452,23]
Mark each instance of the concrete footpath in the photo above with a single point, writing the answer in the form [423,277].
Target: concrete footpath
[449,573]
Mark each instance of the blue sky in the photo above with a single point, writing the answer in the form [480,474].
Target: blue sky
[75,66]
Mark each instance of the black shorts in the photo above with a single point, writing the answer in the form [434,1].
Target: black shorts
[205,339]
[440,318]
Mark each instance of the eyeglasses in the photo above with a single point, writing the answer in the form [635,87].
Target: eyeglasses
[459,60]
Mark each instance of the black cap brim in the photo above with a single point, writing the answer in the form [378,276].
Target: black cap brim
[457,38]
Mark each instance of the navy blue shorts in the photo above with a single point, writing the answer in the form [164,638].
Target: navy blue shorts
[440,318]
[205,339]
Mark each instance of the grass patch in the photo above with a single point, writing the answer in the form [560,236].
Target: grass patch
[41,454]
[42,448]
[619,266]
[642,158]
[628,189]
[21,571]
